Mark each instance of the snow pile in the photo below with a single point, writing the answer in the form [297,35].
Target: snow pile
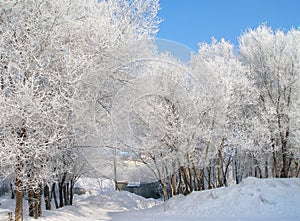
[272,199]
[120,201]
[101,193]
[253,199]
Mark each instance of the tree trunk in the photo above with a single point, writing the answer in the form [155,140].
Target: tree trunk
[284,172]
[19,200]
[37,202]
[164,189]
[19,183]
[171,186]
[266,169]
[201,179]
[61,186]
[47,197]
[257,169]
[275,165]
[71,191]
[61,197]
[220,164]
[71,195]
[196,178]
[225,173]
[214,177]
[31,201]
[66,194]
[34,201]
[283,139]
[209,177]
[12,192]
[191,179]
[297,170]
[258,173]
[236,174]
[181,185]
[174,178]
[188,189]
[53,191]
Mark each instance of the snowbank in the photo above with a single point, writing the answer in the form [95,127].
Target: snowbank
[253,199]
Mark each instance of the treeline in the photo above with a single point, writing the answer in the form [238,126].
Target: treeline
[240,118]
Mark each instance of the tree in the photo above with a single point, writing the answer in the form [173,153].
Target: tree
[152,115]
[223,115]
[273,58]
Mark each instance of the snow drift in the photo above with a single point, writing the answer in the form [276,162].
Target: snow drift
[253,199]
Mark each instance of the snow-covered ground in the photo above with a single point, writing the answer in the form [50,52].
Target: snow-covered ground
[253,199]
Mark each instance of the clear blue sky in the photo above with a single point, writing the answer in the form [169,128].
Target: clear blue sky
[192,21]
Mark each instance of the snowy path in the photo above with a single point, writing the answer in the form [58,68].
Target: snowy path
[252,200]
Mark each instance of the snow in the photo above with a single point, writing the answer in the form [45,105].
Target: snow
[253,199]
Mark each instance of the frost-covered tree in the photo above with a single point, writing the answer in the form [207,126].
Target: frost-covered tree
[223,112]
[47,49]
[273,59]
[153,115]
[128,38]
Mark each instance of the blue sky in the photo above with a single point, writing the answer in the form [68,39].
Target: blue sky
[192,21]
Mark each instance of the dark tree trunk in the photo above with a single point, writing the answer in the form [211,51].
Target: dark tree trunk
[61,198]
[257,170]
[283,138]
[225,173]
[236,173]
[201,180]
[171,186]
[181,186]
[47,197]
[266,169]
[209,177]
[220,164]
[71,192]
[12,192]
[37,202]
[275,165]
[191,179]
[31,201]
[53,191]
[66,194]
[284,171]
[61,189]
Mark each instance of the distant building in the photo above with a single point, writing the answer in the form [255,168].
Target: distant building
[147,190]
